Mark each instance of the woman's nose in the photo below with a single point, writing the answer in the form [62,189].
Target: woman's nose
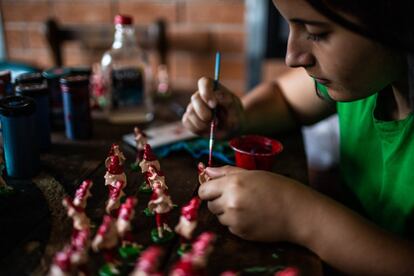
[298,54]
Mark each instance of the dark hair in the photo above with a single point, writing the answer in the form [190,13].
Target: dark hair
[390,22]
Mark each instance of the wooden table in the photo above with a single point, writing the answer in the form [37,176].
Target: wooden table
[34,226]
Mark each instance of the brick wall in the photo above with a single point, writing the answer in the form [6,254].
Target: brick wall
[197,27]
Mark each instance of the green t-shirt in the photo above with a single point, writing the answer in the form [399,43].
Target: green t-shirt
[377,163]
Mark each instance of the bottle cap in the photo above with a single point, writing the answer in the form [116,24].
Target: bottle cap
[123,19]
[32,89]
[17,106]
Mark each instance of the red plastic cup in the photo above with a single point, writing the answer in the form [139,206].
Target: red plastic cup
[254,152]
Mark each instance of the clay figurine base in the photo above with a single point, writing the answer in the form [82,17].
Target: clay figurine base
[167,236]
[130,252]
[5,191]
[144,188]
[148,213]
[134,167]
[183,249]
[109,270]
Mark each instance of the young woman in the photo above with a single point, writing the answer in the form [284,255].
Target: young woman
[355,55]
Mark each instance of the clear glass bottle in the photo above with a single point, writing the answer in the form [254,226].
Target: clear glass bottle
[127,77]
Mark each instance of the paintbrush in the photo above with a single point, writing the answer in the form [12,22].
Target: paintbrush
[214,119]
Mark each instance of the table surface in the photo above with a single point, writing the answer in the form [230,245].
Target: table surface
[34,225]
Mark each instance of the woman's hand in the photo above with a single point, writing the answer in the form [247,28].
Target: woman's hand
[255,205]
[199,113]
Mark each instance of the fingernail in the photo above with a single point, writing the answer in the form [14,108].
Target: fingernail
[212,104]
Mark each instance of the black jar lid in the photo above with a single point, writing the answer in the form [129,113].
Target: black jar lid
[81,70]
[25,78]
[74,80]
[13,106]
[32,89]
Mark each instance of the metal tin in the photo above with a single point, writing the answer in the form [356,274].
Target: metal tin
[75,91]
[53,76]
[40,94]
[21,150]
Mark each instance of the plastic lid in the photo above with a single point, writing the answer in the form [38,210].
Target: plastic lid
[55,72]
[32,89]
[27,78]
[17,106]
[123,19]
[73,80]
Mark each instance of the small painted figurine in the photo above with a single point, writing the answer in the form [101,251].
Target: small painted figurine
[83,193]
[202,174]
[4,188]
[115,150]
[115,194]
[149,159]
[77,213]
[148,262]
[80,245]
[115,171]
[184,267]
[125,216]
[62,264]
[155,175]
[140,141]
[160,203]
[129,250]
[106,240]
[187,223]
[201,249]
[288,271]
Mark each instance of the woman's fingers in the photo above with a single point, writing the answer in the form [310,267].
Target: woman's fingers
[200,108]
[205,87]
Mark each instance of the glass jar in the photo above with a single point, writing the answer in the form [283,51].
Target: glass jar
[127,77]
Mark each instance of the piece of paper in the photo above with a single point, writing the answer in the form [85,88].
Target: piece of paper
[163,135]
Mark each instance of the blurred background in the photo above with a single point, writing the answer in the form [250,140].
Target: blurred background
[249,33]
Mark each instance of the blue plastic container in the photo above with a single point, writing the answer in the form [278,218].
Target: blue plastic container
[21,149]
[40,94]
[76,109]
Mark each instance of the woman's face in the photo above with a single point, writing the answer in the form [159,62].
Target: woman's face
[351,66]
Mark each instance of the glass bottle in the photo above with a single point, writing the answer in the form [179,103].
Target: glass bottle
[127,77]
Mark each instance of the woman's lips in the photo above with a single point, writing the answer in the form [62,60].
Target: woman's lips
[321,80]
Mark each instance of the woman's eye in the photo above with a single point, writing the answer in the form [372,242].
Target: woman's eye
[316,37]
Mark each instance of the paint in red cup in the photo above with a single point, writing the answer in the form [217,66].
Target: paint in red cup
[254,152]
